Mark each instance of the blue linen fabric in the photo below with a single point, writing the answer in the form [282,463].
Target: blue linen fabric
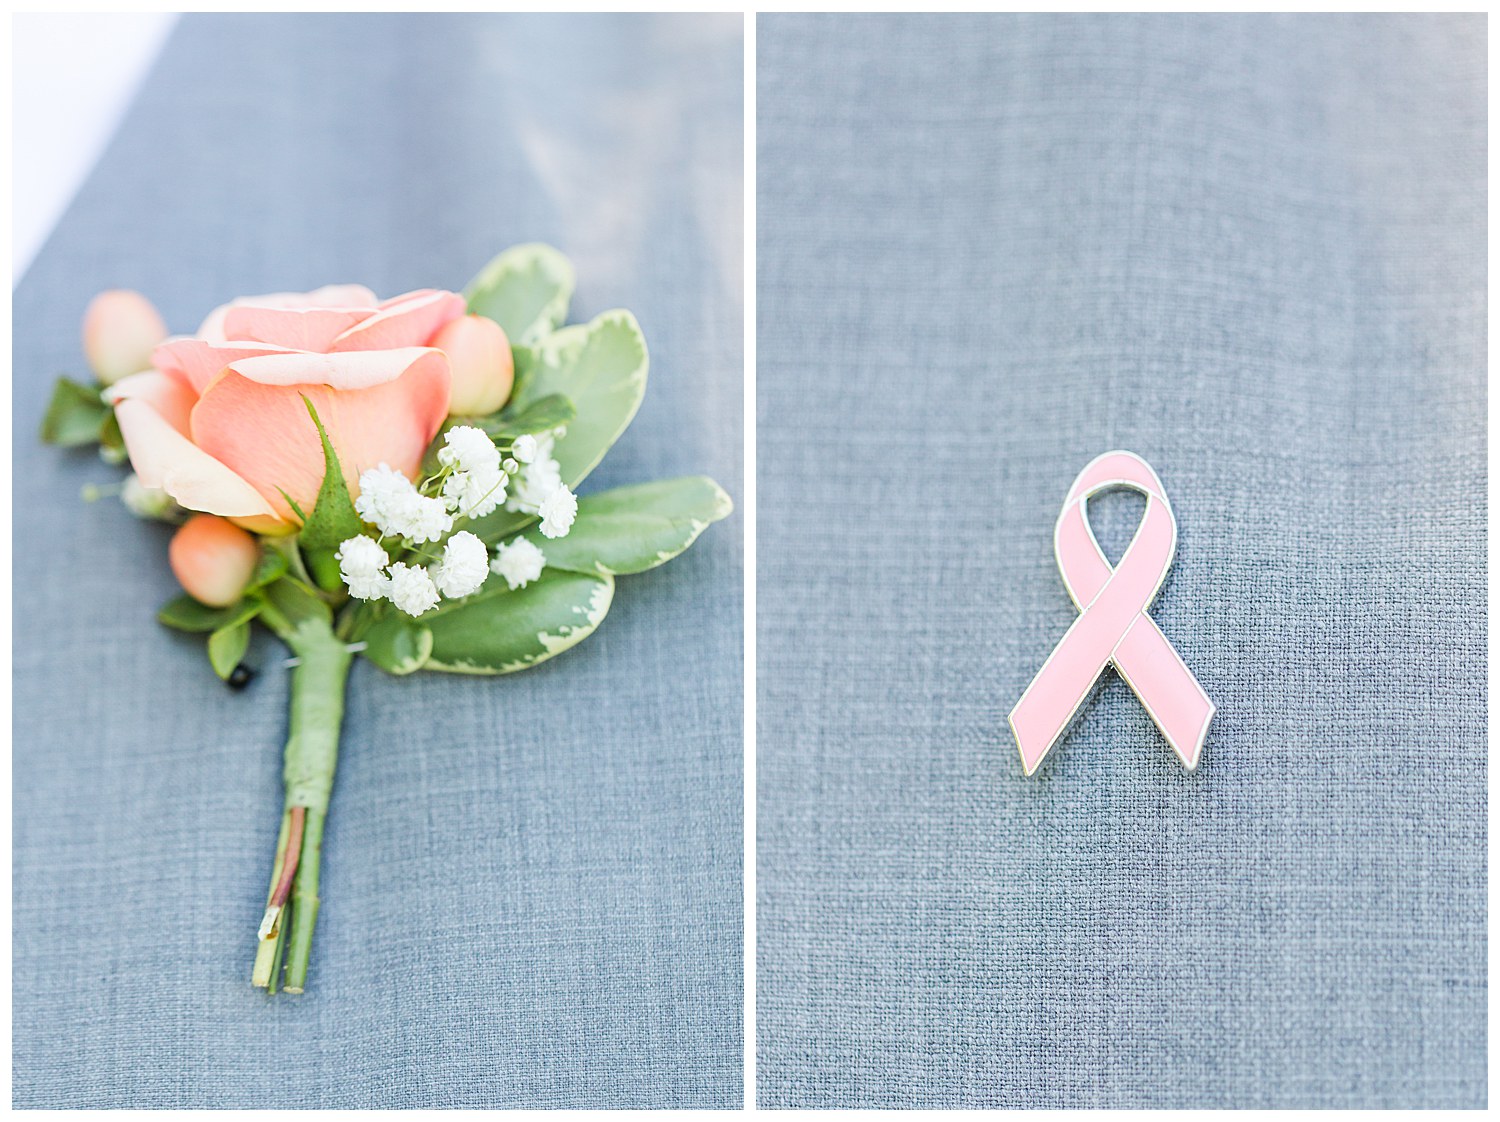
[1253,251]
[532,884]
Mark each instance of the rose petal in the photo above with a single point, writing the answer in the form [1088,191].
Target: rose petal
[403,321]
[352,370]
[197,362]
[260,428]
[338,296]
[162,457]
[169,396]
[329,296]
[303,329]
[212,328]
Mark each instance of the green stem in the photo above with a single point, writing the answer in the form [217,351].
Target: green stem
[311,756]
[267,949]
[304,905]
[281,942]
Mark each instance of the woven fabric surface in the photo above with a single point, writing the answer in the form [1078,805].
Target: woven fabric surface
[1251,250]
[531,884]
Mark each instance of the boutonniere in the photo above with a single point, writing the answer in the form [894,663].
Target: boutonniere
[388,479]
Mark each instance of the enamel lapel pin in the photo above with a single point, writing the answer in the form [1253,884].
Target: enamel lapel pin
[1112,626]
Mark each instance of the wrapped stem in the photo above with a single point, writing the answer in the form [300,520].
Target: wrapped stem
[317,710]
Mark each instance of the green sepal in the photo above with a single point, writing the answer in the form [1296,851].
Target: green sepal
[497,631]
[291,502]
[333,519]
[526,290]
[632,529]
[398,644]
[323,567]
[75,416]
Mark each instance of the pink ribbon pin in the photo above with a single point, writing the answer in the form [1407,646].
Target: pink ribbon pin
[1113,626]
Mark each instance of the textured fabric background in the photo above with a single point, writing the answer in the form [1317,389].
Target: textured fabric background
[532,890]
[1252,250]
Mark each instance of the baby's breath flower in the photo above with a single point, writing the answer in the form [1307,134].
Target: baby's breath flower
[362,565]
[524,448]
[473,494]
[510,465]
[416,517]
[539,479]
[468,449]
[558,511]
[520,562]
[379,489]
[464,566]
[411,589]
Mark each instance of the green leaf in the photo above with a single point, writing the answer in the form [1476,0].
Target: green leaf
[497,631]
[226,647]
[243,612]
[75,415]
[632,529]
[398,644]
[601,366]
[525,290]
[272,565]
[290,604]
[231,634]
[541,415]
[500,524]
[112,440]
[183,613]
[525,360]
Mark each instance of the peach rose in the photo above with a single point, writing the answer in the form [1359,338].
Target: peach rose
[220,424]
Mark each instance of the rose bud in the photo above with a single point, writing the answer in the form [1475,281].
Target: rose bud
[213,559]
[483,369]
[120,329]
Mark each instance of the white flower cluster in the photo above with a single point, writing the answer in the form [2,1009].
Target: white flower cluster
[477,483]
[464,566]
[539,487]
[460,571]
[362,565]
[519,562]
[389,501]
[471,484]
[412,589]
